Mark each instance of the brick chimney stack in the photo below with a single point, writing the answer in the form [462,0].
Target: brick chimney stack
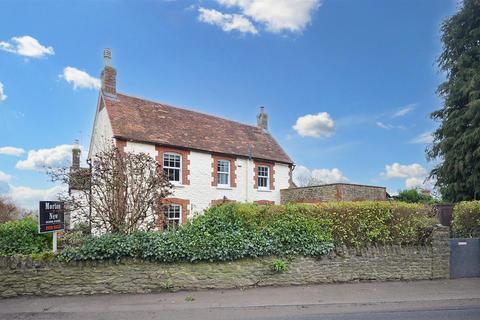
[76,155]
[262,119]
[109,74]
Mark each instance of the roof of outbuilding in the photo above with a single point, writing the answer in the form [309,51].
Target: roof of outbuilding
[142,120]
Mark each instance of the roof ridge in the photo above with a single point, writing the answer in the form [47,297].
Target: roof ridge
[194,111]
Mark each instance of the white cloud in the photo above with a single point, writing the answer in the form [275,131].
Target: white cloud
[303,176]
[44,158]
[27,197]
[277,15]
[423,138]
[26,46]
[12,151]
[228,22]
[403,111]
[318,125]
[415,175]
[80,79]
[397,170]
[3,96]
[4,177]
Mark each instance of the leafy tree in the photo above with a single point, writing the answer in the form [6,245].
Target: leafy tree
[457,140]
[413,196]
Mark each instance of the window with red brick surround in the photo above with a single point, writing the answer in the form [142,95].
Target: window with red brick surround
[183,203]
[161,150]
[271,173]
[233,170]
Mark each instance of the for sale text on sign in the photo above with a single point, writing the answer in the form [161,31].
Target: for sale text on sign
[51,216]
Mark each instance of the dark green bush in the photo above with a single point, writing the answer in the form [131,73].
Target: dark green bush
[235,231]
[221,234]
[22,237]
[466,219]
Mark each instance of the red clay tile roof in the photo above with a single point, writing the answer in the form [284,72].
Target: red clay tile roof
[146,121]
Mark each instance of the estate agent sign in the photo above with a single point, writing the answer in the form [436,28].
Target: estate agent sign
[51,216]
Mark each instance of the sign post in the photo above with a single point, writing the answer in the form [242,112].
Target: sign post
[51,218]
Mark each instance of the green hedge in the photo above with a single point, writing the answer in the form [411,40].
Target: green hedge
[235,231]
[367,223]
[222,233]
[357,224]
[22,237]
[466,219]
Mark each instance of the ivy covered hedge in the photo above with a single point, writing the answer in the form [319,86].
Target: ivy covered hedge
[234,231]
[466,219]
[22,237]
[222,233]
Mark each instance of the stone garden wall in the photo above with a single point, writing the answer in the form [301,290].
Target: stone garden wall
[24,276]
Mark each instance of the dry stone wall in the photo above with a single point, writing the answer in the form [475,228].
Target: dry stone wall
[25,277]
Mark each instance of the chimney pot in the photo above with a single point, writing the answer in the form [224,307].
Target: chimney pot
[107,57]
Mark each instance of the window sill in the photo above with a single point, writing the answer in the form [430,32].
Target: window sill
[264,190]
[176,185]
[224,188]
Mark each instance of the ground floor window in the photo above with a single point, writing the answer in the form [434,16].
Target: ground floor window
[174,215]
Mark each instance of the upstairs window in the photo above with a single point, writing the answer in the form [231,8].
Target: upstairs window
[263,177]
[223,172]
[174,215]
[172,167]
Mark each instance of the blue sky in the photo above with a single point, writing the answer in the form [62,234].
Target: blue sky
[348,84]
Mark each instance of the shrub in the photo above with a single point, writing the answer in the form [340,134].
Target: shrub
[221,234]
[235,231]
[359,224]
[22,237]
[466,219]
[414,196]
[278,266]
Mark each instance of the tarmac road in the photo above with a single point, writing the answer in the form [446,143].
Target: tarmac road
[421,300]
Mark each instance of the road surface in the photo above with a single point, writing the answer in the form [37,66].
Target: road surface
[421,300]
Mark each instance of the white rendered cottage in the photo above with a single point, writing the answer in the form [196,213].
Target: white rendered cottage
[208,159]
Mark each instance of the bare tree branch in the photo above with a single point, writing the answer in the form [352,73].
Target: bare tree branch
[126,190]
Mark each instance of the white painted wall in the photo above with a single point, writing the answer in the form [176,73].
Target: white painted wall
[102,132]
[134,147]
[200,191]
